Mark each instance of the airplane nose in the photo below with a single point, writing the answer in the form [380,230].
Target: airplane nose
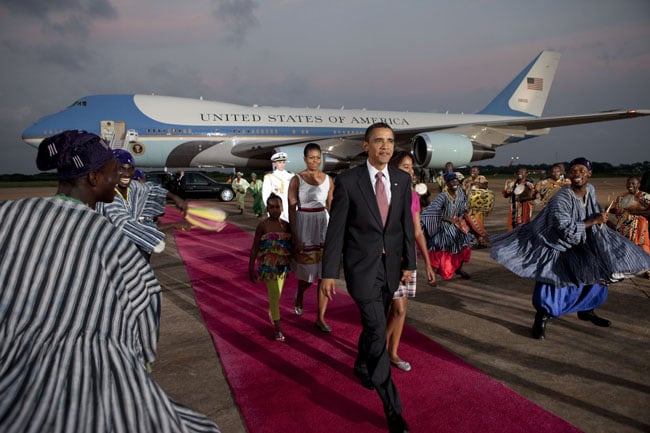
[32,135]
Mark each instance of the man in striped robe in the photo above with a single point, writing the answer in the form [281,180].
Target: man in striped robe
[137,205]
[78,309]
[570,253]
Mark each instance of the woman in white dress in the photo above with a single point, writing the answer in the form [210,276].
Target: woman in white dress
[310,196]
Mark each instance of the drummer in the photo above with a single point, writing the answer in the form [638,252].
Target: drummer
[449,168]
[521,192]
[476,214]
[475,180]
[545,189]
[631,209]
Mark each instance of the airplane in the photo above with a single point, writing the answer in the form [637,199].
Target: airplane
[164,131]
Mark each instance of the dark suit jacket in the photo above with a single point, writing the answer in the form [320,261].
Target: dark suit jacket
[355,231]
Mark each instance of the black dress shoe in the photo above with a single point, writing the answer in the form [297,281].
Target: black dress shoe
[539,326]
[397,424]
[364,378]
[593,318]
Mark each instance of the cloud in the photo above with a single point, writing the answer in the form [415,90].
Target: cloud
[40,9]
[238,16]
[62,18]
[71,57]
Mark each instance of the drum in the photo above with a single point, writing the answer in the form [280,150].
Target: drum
[631,204]
[421,188]
[523,192]
[481,200]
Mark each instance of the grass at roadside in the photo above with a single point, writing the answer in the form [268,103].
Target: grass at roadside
[29,184]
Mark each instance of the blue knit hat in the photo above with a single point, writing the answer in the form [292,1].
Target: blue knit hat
[449,176]
[123,157]
[139,174]
[73,153]
[581,161]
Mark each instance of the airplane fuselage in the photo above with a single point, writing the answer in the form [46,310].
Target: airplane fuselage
[170,131]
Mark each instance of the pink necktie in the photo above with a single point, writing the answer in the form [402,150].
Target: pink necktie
[382,199]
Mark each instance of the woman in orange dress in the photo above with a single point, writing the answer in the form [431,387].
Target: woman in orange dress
[632,209]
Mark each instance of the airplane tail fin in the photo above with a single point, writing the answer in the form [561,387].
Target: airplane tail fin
[526,95]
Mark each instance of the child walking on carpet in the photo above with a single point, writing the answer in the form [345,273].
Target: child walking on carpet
[271,250]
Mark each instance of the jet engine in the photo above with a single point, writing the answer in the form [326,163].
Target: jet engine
[296,163]
[435,149]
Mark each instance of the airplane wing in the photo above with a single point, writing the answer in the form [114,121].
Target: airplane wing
[489,134]
[548,122]
[496,132]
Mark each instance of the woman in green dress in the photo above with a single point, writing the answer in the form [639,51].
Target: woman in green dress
[255,189]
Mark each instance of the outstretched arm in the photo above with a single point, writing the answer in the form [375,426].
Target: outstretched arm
[422,246]
[180,204]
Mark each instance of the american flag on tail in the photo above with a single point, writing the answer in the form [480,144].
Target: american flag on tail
[535,83]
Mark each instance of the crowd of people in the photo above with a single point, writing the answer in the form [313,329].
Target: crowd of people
[372,219]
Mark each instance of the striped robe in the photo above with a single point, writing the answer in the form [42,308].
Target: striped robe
[77,325]
[556,249]
[135,216]
[441,235]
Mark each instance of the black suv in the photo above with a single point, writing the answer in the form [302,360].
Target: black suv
[194,184]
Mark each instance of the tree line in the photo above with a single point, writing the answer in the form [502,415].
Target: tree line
[600,169]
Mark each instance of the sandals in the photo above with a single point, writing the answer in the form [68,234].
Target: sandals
[402,365]
[323,327]
[297,308]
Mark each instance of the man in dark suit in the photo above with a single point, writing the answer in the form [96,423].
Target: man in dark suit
[378,251]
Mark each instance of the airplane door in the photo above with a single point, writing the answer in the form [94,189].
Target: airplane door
[113,133]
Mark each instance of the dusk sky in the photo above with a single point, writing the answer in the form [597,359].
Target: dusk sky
[413,55]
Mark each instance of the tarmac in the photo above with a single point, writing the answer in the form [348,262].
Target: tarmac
[595,378]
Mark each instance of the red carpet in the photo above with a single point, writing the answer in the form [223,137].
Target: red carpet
[306,384]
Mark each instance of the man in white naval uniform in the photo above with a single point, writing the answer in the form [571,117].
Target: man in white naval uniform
[277,182]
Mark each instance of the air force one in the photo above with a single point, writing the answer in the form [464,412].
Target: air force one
[163,131]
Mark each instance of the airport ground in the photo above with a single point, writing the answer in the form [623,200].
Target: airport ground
[595,378]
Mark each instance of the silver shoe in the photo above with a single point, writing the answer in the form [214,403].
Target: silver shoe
[402,365]
[296,308]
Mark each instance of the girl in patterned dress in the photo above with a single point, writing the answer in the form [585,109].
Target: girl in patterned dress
[271,250]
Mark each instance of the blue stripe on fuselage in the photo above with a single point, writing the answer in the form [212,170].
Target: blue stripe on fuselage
[86,113]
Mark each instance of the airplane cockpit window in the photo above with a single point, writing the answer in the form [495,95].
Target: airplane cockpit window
[79,103]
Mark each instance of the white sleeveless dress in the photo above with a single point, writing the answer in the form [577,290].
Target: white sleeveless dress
[311,218]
